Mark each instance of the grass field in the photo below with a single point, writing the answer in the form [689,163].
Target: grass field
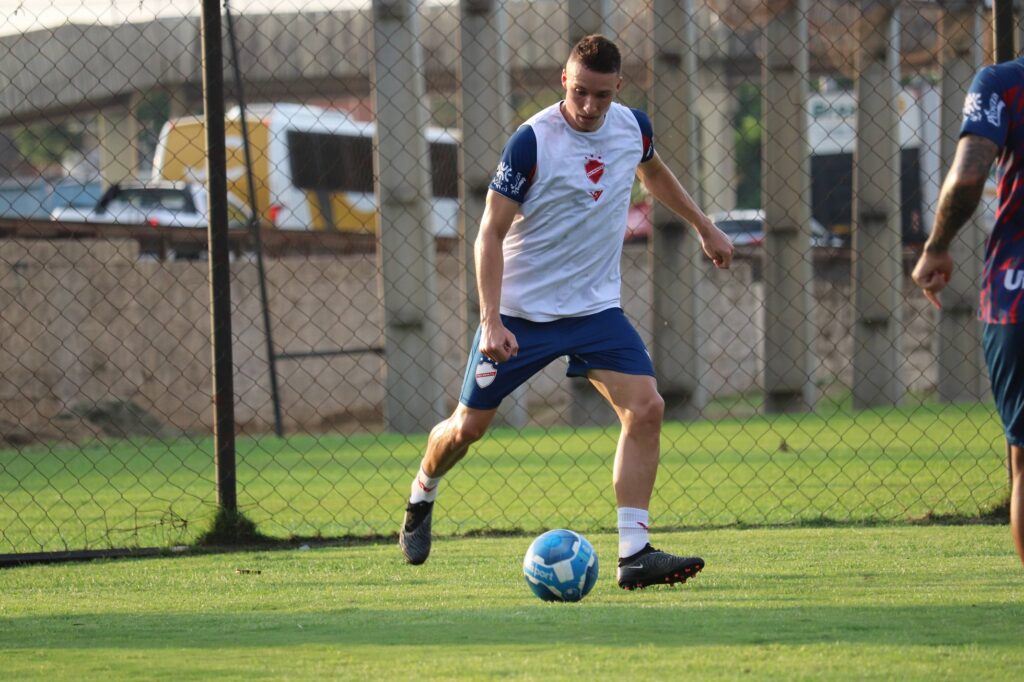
[835,465]
[906,603]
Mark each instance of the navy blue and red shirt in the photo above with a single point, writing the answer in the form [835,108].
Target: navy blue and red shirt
[994,109]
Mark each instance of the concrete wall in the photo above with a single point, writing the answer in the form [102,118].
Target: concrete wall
[87,322]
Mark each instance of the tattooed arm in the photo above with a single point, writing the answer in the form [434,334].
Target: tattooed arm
[961,192]
[962,189]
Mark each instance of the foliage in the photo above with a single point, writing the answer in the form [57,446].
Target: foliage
[46,144]
[153,110]
[747,124]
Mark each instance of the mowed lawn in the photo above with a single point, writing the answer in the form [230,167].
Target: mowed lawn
[895,602]
[832,465]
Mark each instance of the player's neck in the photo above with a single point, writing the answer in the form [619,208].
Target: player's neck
[569,122]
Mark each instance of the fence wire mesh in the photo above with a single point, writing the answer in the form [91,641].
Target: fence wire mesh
[809,382]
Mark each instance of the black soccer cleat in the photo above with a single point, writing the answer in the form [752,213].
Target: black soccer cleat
[650,566]
[414,538]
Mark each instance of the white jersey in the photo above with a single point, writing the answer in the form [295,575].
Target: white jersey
[563,251]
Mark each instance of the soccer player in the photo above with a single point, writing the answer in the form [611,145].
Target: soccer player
[993,127]
[547,257]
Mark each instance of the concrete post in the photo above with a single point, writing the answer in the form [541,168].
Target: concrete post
[607,28]
[179,102]
[678,264]
[1018,17]
[406,253]
[961,368]
[717,104]
[877,272]
[788,340]
[585,17]
[486,125]
[118,132]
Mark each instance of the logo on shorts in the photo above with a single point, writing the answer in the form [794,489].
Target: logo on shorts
[485,373]
[595,168]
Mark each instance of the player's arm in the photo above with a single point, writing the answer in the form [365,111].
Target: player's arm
[496,342]
[663,185]
[959,198]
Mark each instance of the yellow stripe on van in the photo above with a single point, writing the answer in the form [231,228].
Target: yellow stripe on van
[238,184]
[185,158]
[349,218]
[346,218]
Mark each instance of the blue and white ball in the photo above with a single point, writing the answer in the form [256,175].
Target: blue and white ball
[560,565]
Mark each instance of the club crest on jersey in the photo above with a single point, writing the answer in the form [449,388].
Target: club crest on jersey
[485,373]
[595,169]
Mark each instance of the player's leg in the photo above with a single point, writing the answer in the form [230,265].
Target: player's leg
[607,349]
[1003,344]
[447,443]
[1015,453]
[640,409]
[485,384]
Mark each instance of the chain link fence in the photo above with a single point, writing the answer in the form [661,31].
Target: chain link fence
[810,382]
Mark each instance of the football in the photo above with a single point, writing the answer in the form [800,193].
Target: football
[560,565]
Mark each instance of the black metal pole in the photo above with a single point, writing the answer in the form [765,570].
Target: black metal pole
[254,224]
[1003,28]
[220,274]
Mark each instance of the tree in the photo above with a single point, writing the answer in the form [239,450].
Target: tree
[46,144]
[748,146]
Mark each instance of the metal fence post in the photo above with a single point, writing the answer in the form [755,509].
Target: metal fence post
[220,274]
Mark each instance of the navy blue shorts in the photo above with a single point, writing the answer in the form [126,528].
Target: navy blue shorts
[604,340]
[1004,354]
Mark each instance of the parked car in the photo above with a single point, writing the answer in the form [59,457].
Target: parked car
[745,227]
[35,198]
[174,204]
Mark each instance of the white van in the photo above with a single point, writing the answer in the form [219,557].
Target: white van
[313,168]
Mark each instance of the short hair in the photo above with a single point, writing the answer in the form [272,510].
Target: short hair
[597,53]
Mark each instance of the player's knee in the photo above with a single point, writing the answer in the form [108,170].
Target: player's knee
[646,412]
[468,430]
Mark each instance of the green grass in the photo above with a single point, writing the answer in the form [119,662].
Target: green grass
[835,465]
[907,603]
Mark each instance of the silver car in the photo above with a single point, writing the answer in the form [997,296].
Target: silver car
[177,204]
[745,227]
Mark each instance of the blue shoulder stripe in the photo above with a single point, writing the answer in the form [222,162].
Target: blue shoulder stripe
[646,132]
[518,165]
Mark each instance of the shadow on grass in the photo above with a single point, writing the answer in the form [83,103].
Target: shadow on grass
[619,625]
[236,533]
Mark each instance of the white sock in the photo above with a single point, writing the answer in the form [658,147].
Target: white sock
[633,534]
[424,488]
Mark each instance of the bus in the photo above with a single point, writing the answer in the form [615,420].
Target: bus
[313,168]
